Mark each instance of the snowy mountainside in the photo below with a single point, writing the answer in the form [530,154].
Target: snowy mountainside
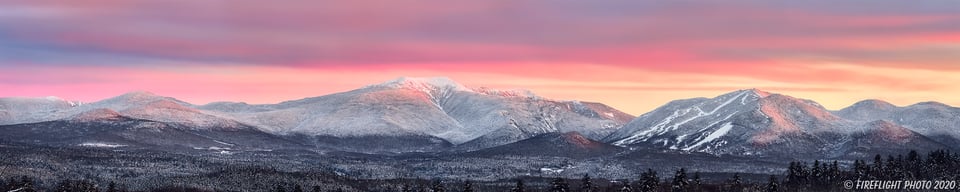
[437,107]
[438,114]
[511,119]
[139,105]
[935,120]
[867,109]
[741,122]
[120,131]
[753,122]
[145,105]
[882,136]
[15,110]
[370,111]
[427,109]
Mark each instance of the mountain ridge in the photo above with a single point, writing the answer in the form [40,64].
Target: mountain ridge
[748,122]
[423,110]
[415,108]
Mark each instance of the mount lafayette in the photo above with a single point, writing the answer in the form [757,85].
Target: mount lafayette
[438,114]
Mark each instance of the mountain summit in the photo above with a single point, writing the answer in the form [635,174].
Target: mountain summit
[438,86]
[423,84]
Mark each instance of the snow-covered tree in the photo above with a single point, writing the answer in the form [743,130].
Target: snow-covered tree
[626,187]
[649,181]
[467,186]
[735,182]
[437,187]
[297,188]
[772,184]
[112,187]
[519,187]
[559,185]
[680,182]
[697,181]
[586,184]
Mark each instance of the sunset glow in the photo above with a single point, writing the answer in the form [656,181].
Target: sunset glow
[632,55]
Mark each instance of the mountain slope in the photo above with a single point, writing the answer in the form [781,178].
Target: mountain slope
[886,137]
[742,122]
[138,105]
[106,130]
[753,122]
[428,107]
[570,144]
[425,113]
[15,110]
[936,120]
[438,114]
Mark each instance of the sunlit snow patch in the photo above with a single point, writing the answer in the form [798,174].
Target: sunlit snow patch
[552,170]
[212,148]
[716,134]
[104,145]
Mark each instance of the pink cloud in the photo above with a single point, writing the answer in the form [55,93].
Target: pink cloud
[273,49]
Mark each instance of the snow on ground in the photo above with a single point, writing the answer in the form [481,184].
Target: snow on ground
[224,143]
[98,144]
[713,136]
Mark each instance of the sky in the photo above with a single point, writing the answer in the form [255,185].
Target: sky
[630,54]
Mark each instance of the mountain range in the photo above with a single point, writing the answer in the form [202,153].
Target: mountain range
[754,122]
[440,115]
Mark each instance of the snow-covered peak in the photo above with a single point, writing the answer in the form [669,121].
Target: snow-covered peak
[61,100]
[753,92]
[932,104]
[698,124]
[739,97]
[149,106]
[35,104]
[15,110]
[139,98]
[132,97]
[874,102]
[434,84]
[507,93]
[47,99]
[871,104]
[871,109]
[138,95]
[423,83]
[53,98]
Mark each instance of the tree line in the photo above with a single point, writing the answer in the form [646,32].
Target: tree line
[799,176]
[936,165]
